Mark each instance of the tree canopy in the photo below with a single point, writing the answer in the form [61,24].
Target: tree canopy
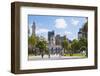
[75,45]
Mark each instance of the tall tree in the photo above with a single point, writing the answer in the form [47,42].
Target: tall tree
[75,46]
[31,43]
[32,40]
[65,44]
[83,45]
[83,42]
[70,49]
[42,45]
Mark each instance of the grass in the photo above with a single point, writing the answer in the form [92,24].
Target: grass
[78,54]
[75,55]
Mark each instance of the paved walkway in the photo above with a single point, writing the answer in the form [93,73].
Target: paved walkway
[53,57]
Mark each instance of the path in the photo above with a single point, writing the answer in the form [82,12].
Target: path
[53,57]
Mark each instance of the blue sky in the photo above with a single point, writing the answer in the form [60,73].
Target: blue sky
[63,25]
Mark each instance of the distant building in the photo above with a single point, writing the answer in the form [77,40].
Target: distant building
[54,43]
[51,38]
[58,40]
[28,31]
[33,28]
[51,41]
[81,34]
[83,31]
[62,38]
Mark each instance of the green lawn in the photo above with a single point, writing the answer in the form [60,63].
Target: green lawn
[75,55]
[78,54]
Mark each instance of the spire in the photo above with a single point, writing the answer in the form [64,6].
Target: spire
[33,28]
[28,30]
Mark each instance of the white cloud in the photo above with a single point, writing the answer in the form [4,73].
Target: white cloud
[74,37]
[67,33]
[41,30]
[60,23]
[75,22]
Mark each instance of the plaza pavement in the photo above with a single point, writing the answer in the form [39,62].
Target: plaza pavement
[53,57]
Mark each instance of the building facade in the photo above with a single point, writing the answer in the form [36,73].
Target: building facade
[51,41]
[55,43]
[58,40]
[83,32]
[51,38]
